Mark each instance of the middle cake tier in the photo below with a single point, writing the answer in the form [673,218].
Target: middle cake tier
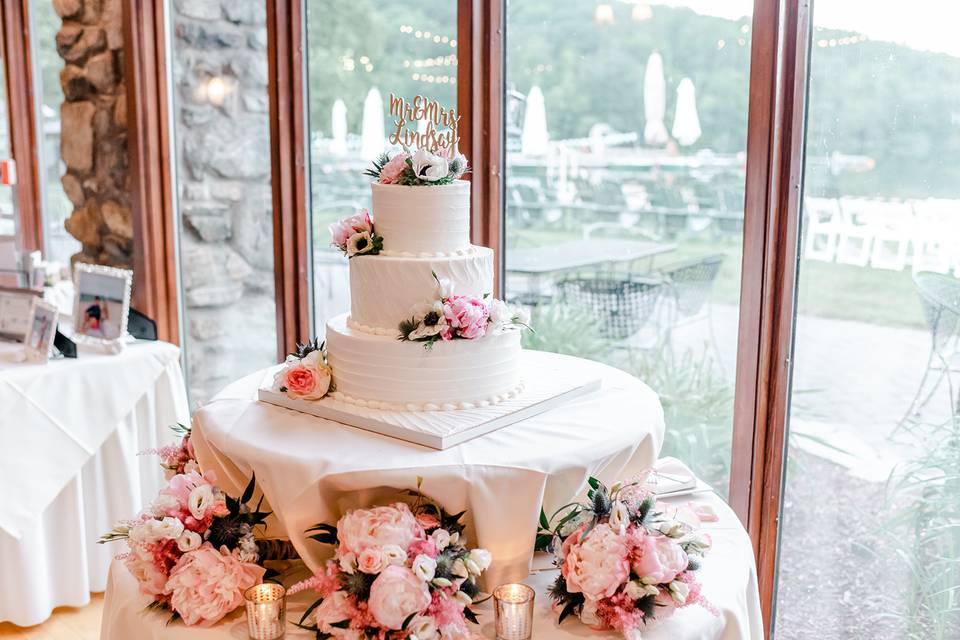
[384,289]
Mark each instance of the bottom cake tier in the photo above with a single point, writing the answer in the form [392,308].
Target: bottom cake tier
[384,373]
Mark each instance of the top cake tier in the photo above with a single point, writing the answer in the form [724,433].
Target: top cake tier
[423,220]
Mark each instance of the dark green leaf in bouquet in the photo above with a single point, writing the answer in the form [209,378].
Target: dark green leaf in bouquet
[544,523]
[248,492]
[646,605]
[470,615]
[543,541]
[309,610]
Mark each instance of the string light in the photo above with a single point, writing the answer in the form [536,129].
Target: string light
[434,79]
[641,12]
[841,42]
[438,61]
[604,14]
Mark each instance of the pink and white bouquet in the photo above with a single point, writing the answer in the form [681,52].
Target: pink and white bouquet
[460,317]
[177,458]
[306,374]
[193,549]
[624,563]
[399,572]
[422,168]
[355,235]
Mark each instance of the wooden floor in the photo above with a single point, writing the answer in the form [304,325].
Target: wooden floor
[66,623]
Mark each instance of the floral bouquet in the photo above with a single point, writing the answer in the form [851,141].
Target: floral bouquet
[177,458]
[192,550]
[624,564]
[354,236]
[419,169]
[306,375]
[398,573]
[451,317]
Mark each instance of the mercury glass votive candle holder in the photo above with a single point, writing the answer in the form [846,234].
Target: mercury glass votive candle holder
[266,611]
[513,611]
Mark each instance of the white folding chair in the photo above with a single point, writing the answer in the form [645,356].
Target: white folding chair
[893,224]
[824,220]
[855,243]
[936,245]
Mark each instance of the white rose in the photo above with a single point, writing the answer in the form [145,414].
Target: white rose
[424,567]
[588,615]
[422,628]
[394,554]
[200,499]
[619,516]
[163,504]
[152,531]
[679,591]
[371,560]
[482,558]
[188,541]
[348,562]
[441,538]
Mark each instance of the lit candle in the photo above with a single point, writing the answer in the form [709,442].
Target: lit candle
[513,611]
[266,615]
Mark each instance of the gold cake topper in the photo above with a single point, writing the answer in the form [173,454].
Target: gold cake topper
[442,130]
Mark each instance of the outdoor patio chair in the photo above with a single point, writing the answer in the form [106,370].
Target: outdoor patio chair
[855,242]
[823,221]
[940,298]
[689,287]
[622,305]
[892,224]
[936,238]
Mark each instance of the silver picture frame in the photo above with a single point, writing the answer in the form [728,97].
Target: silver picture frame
[101,304]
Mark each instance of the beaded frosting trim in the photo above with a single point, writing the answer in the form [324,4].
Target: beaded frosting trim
[427,406]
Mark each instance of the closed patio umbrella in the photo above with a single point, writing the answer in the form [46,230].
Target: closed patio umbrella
[372,136]
[686,122]
[338,127]
[534,137]
[654,102]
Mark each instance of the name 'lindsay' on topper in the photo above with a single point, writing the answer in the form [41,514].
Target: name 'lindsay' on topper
[442,130]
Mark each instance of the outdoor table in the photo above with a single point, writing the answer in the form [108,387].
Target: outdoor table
[551,260]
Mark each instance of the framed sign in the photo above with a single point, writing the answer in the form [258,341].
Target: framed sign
[43,329]
[16,306]
[101,303]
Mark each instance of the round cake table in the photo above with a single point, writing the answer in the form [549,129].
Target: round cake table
[728,577]
[313,470]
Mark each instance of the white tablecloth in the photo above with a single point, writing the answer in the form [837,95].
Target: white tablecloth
[69,468]
[728,577]
[313,470]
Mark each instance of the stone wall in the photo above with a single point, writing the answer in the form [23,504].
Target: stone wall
[222,132]
[93,121]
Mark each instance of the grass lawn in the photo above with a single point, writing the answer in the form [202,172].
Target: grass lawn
[827,290]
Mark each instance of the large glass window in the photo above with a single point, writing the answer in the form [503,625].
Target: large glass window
[625,134]
[56,207]
[8,212]
[220,118]
[870,537]
[359,53]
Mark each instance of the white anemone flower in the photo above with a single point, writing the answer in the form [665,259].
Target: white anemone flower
[432,320]
[359,243]
[429,166]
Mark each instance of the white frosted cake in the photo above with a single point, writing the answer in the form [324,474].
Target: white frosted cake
[412,258]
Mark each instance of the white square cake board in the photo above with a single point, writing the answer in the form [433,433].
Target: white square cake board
[544,389]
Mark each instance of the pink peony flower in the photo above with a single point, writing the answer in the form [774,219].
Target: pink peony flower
[378,527]
[336,607]
[467,316]
[391,172]
[207,585]
[396,594]
[658,559]
[151,577]
[341,230]
[598,565]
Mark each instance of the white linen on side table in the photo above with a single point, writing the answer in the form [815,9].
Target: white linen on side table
[313,470]
[728,576]
[116,406]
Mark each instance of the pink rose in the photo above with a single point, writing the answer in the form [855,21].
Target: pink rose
[428,521]
[371,560]
[598,565]
[658,559]
[467,316]
[150,577]
[395,594]
[308,382]
[207,585]
[378,527]
[391,172]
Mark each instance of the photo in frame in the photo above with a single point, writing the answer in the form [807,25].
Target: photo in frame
[101,303]
[15,309]
[43,329]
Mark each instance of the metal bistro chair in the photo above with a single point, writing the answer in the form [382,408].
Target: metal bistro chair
[689,286]
[940,298]
[621,303]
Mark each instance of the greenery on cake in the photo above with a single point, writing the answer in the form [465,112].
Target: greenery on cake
[422,168]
